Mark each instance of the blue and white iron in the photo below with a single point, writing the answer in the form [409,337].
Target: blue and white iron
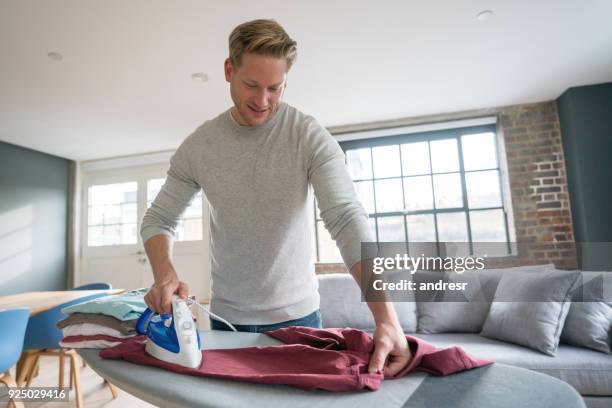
[172,338]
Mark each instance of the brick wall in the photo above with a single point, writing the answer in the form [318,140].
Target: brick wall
[538,185]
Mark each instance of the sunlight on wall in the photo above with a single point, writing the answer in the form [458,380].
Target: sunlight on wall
[15,243]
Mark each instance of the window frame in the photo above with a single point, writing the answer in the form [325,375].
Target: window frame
[428,133]
[140,174]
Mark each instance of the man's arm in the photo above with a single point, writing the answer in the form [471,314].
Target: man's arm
[159,226]
[389,338]
[347,223]
[167,283]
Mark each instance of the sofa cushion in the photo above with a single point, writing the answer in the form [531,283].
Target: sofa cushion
[588,325]
[530,309]
[341,305]
[588,371]
[451,311]
[589,320]
[465,311]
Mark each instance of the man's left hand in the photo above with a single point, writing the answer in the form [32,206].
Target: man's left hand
[389,341]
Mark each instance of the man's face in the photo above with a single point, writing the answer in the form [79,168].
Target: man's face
[256,87]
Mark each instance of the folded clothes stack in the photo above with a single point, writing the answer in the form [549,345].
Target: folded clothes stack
[102,322]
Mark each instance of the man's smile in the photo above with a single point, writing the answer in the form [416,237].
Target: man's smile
[256,109]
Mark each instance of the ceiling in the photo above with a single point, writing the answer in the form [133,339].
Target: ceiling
[124,85]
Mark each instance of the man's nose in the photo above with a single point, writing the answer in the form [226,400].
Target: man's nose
[261,98]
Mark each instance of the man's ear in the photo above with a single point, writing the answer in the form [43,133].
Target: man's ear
[228,69]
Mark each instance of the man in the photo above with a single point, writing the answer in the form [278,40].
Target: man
[256,163]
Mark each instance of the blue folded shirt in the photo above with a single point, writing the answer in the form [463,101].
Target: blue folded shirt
[127,306]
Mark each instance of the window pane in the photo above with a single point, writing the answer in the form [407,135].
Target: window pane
[421,228]
[113,231]
[447,190]
[444,157]
[452,227]
[415,158]
[96,215]
[389,195]
[391,229]
[386,161]
[128,233]
[479,151]
[112,235]
[483,189]
[95,236]
[113,193]
[418,193]
[365,193]
[328,251]
[128,213]
[488,226]
[112,214]
[359,162]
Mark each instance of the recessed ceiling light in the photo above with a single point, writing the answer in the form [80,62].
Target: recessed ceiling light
[484,15]
[199,77]
[55,56]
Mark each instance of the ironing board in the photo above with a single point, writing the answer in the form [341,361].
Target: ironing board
[496,385]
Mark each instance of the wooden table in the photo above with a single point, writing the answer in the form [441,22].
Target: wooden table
[42,301]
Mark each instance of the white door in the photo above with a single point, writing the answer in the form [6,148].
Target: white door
[114,203]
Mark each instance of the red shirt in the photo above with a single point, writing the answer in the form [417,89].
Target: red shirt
[328,359]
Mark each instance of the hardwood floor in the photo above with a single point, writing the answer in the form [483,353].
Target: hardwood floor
[95,393]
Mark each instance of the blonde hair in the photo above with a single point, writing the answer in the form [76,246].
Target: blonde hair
[261,37]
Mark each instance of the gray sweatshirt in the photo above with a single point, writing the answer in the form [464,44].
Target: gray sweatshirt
[259,181]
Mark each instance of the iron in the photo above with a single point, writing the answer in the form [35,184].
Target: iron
[172,337]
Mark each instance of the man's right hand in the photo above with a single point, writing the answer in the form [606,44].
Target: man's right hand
[159,297]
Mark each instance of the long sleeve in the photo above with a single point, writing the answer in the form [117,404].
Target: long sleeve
[174,197]
[342,213]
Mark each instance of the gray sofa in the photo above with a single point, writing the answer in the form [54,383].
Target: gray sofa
[588,371]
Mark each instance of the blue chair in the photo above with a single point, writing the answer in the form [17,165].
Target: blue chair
[94,286]
[42,339]
[11,343]
[42,332]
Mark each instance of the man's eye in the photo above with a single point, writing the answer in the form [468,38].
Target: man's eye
[275,89]
[250,86]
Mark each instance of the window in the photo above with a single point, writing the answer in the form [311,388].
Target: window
[189,227]
[439,186]
[112,214]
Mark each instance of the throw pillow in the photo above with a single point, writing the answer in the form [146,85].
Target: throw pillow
[530,309]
